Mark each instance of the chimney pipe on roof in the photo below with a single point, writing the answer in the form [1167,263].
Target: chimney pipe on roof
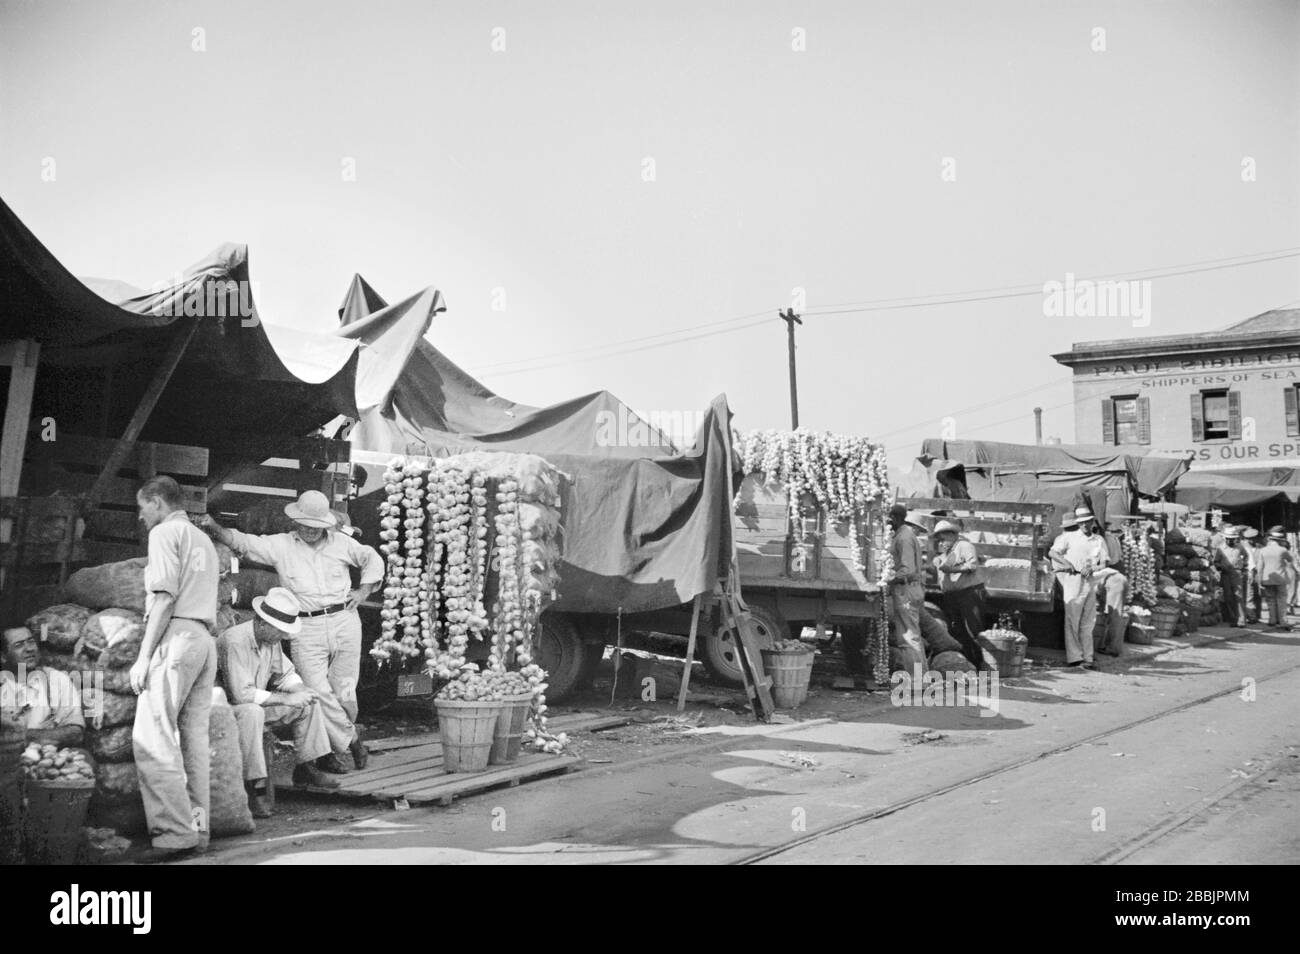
[1038,425]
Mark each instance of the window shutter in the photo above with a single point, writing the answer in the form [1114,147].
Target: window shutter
[1198,419]
[1107,421]
[1144,420]
[1292,416]
[1234,415]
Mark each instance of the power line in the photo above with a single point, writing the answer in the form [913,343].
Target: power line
[598,352]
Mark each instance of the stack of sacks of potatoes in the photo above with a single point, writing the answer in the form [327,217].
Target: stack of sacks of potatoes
[95,636]
[1189,562]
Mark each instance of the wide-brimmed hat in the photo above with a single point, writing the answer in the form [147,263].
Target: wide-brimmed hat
[1277,535]
[1068,521]
[280,608]
[1231,533]
[1250,533]
[312,509]
[1084,513]
[945,526]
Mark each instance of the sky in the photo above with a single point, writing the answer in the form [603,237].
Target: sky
[622,196]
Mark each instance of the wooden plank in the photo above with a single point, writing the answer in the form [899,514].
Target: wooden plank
[21,357]
[42,508]
[61,551]
[762,526]
[162,375]
[282,478]
[97,551]
[122,490]
[465,783]
[175,459]
[114,525]
[980,524]
[976,506]
[569,722]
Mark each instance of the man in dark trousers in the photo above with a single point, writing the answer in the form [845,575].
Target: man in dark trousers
[962,579]
[1230,559]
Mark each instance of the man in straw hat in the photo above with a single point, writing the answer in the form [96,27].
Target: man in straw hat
[962,580]
[266,692]
[1077,554]
[1251,543]
[1112,586]
[1274,561]
[1231,559]
[313,563]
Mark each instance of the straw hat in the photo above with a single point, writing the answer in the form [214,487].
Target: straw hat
[945,526]
[1069,521]
[280,608]
[312,509]
[1231,533]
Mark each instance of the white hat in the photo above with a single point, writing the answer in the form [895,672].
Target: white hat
[945,526]
[312,509]
[280,608]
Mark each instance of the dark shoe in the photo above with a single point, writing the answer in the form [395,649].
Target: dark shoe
[1076,664]
[311,776]
[155,856]
[1108,652]
[259,803]
[358,750]
[331,763]
[1088,664]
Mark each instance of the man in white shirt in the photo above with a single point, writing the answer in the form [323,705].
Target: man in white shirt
[1112,586]
[48,703]
[313,564]
[1077,554]
[266,692]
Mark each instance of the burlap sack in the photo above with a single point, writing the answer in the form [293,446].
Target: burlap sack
[251,582]
[111,745]
[110,585]
[228,813]
[951,662]
[58,628]
[112,638]
[116,783]
[106,710]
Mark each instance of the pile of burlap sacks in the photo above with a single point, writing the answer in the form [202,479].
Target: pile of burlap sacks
[1189,563]
[94,635]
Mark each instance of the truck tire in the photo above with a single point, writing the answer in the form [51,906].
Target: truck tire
[720,648]
[562,653]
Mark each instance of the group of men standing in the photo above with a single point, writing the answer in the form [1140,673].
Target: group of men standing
[1086,563]
[1256,574]
[182,657]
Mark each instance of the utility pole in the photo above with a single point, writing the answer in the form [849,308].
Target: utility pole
[791,319]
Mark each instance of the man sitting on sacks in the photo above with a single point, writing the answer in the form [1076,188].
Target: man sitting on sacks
[47,702]
[267,692]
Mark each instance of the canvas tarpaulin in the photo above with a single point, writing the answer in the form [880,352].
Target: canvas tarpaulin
[644,525]
[239,382]
[1201,490]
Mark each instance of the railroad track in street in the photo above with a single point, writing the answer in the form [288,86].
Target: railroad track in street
[1115,855]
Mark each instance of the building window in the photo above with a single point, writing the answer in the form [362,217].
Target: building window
[1216,415]
[1126,419]
[1290,401]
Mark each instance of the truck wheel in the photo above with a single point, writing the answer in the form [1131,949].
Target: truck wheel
[721,649]
[562,653]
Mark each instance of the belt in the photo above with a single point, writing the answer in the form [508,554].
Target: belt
[191,619]
[336,608]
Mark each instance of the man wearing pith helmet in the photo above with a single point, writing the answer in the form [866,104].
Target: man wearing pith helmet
[313,563]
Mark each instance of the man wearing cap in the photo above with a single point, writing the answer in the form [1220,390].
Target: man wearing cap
[1274,560]
[1230,559]
[313,564]
[174,672]
[962,580]
[907,589]
[1077,554]
[266,692]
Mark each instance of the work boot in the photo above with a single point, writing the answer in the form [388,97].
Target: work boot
[259,801]
[330,763]
[358,750]
[308,774]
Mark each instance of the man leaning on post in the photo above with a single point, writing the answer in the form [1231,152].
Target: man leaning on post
[175,672]
[313,564]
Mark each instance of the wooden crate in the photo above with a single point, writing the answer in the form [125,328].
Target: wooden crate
[45,539]
[261,490]
[816,554]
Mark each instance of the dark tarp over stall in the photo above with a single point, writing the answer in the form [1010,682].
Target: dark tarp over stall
[645,526]
[234,391]
[1201,490]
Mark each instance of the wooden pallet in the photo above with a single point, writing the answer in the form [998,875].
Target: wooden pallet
[572,722]
[418,776]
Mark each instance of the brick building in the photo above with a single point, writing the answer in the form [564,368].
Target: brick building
[1230,397]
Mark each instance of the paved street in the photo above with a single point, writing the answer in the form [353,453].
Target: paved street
[1156,759]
